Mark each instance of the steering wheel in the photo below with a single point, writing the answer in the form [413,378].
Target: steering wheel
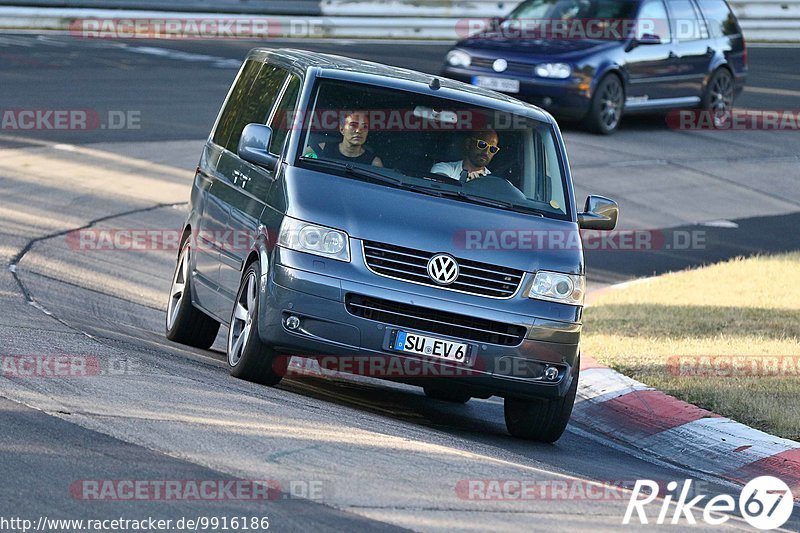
[494,187]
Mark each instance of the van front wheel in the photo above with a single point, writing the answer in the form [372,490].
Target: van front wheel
[248,357]
[540,420]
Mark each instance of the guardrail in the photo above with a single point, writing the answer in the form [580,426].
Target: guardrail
[261,7]
[769,20]
[761,20]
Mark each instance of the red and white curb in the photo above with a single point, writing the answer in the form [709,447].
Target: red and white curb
[628,411]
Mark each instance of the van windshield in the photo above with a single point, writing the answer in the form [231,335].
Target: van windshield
[435,146]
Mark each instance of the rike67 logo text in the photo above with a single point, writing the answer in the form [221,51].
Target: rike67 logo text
[765,503]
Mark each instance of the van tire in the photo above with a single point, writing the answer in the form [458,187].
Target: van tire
[541,420]
[185,323]
[248,357]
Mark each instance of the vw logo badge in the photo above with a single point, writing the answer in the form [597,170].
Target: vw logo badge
[442,269]
[500,65]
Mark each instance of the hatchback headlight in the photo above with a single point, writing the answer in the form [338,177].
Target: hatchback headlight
[558,71]
[457,58]
[313,239]
[558,287]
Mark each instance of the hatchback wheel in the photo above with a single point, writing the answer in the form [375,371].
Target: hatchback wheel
[185,323]
[446,395]
[248,357]
[540,420]
[718,99]
[606,108]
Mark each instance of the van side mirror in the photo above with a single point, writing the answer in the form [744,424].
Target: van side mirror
[254,144]
[600,213]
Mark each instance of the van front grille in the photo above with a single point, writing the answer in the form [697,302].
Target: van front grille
[435,321]
[412,265]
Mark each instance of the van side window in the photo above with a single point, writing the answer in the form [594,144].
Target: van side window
[250,101]
[688,25]
[284,115]
[235,101]
[653,20]
[719,17]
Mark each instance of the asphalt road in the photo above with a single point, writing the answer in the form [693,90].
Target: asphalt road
[344,455]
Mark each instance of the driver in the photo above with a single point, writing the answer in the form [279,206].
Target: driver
[479,149]
[354,129]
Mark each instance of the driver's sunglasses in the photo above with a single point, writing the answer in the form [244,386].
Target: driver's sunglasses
[483,146]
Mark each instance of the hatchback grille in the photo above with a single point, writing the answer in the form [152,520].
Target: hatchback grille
[513,66]
[434,321]
[412,265]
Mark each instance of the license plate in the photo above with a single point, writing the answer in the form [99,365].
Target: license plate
[431,346]
[496,84]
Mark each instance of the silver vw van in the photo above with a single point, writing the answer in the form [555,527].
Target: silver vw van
[386,222]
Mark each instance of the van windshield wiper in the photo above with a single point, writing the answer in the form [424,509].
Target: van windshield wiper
[359,172]
[353,170]
[492,202]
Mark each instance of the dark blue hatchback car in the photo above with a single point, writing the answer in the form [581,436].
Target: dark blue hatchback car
[594,60]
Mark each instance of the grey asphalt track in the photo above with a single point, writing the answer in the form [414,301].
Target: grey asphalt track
[383,455]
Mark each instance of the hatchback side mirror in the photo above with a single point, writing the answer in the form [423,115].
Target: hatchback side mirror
[649,38]
[645,38]
[254,144]
[600,213]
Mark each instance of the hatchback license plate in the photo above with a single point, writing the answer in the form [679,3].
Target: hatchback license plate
[496,84]
[431,346]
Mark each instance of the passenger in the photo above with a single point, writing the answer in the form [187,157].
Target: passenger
[479,149]
[354,129]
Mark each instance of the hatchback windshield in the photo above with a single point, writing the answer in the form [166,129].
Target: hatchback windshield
[574,9]
[435,146]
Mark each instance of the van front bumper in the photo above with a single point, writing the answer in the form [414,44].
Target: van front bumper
[328,331]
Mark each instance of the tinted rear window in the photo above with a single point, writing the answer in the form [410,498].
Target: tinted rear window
[721,20]
[686,22]
[250,101]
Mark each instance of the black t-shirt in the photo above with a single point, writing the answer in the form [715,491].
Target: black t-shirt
[331,151]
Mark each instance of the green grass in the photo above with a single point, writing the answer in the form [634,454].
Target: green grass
[732,311]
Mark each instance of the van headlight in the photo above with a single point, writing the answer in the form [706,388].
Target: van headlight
[558,287]
[313,239]
[457,58]
[559,71]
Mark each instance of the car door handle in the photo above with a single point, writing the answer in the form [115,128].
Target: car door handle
[673,55]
